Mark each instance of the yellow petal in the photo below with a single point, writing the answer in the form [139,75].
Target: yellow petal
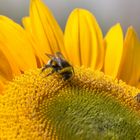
[138,85]
[1,87]
[14,38]
[130,68]
[8,67]
[114,49]
[38,54]
[45,29]
[27,24]
[83,39]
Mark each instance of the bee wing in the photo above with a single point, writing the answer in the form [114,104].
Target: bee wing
[59,55]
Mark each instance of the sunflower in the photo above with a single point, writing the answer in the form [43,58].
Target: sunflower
[96,102]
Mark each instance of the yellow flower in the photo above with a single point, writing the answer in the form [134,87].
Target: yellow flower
[91,104]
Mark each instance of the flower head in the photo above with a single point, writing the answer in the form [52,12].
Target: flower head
[90,105]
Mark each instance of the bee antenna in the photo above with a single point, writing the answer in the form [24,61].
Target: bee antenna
[49,55]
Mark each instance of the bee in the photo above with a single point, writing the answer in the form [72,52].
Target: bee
[59,65]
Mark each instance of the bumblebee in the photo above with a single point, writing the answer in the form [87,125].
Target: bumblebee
[59,65]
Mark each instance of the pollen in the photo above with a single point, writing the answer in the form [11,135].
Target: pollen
[89,105]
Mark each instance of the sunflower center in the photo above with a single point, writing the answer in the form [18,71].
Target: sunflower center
[88,105]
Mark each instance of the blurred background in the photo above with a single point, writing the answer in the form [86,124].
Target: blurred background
[107,12]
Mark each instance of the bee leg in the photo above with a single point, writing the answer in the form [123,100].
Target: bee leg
[48,65]
[50,73]
[45,67]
